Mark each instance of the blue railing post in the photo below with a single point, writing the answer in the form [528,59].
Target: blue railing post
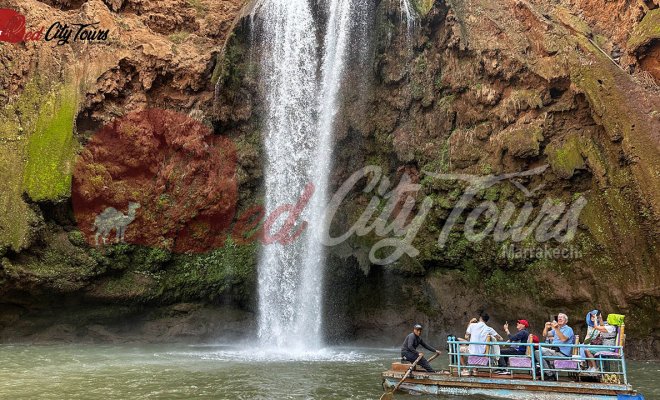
[623,365]
[533,363]
[460,359]
[454,347]
[541,361]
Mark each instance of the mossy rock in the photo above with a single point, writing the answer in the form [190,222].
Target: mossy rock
[572,21]
[232,65]
[565,158]
[129,287]
[646,31]
[522,140]
[61,266]
[230,270]
[77,238]
[608,90]
[423,7]
[37,125]
[52,147]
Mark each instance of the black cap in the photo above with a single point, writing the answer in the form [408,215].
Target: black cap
[417,326]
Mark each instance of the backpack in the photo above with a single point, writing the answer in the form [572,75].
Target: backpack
[615,319]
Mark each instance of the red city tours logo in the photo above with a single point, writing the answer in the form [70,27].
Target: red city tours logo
[12,26]
[156,178]
[13,30]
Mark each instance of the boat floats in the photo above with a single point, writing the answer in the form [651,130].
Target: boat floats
[530,376]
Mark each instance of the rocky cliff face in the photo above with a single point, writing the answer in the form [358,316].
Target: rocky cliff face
[494,88]
[54,284]
[476,88]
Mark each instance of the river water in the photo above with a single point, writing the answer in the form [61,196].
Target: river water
[213,372]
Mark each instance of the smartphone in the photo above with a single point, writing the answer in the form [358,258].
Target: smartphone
[555,318]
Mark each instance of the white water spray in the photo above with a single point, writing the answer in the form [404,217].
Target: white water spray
[408,14]
[301,109]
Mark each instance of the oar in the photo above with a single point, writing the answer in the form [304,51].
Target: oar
[390,395]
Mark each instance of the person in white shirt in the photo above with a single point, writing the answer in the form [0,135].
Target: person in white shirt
[478,331]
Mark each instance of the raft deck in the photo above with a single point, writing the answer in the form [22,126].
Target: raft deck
[510,387]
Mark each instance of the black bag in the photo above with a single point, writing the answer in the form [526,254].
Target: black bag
[597,341]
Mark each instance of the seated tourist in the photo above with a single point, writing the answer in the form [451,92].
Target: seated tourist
[599,334]
[478,331]
[561,335]
[521,336]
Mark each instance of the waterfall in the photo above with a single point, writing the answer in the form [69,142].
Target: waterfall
[301,88]
[289,65]
[408,14]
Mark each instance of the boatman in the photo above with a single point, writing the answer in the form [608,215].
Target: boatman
[409,348]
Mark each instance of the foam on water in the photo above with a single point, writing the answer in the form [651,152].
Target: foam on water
[277,355]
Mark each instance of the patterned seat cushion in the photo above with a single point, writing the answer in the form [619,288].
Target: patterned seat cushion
[478,360]
[607,354]
[520,362]
[567,364]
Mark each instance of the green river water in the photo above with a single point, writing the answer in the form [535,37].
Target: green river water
[214,372]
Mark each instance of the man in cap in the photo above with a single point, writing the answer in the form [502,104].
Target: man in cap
[522,336]
[409,348]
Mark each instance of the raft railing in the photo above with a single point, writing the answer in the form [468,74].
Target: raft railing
[537,358]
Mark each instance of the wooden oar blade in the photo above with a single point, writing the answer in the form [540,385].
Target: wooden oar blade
[387,396]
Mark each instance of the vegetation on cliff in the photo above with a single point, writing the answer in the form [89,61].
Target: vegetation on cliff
[482,88]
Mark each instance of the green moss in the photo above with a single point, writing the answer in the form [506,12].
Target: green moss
[574,22]
[601,41]
[27,124]
[231,65]
[423,7]
[608,216]
[471,274]
[60,266]
[437,82]
[492,193]
[443,201]
[646,31]
[444,105]
[522,140]
[52,147]
[486,169]
[379,160]
[179,37]
[130,286]
[150,259]
[565,158]
[441,164]
[230,270]
[77,238]
[199,6]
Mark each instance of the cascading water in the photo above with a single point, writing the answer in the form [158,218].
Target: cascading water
[408,14]
[289,65]
[301,108]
